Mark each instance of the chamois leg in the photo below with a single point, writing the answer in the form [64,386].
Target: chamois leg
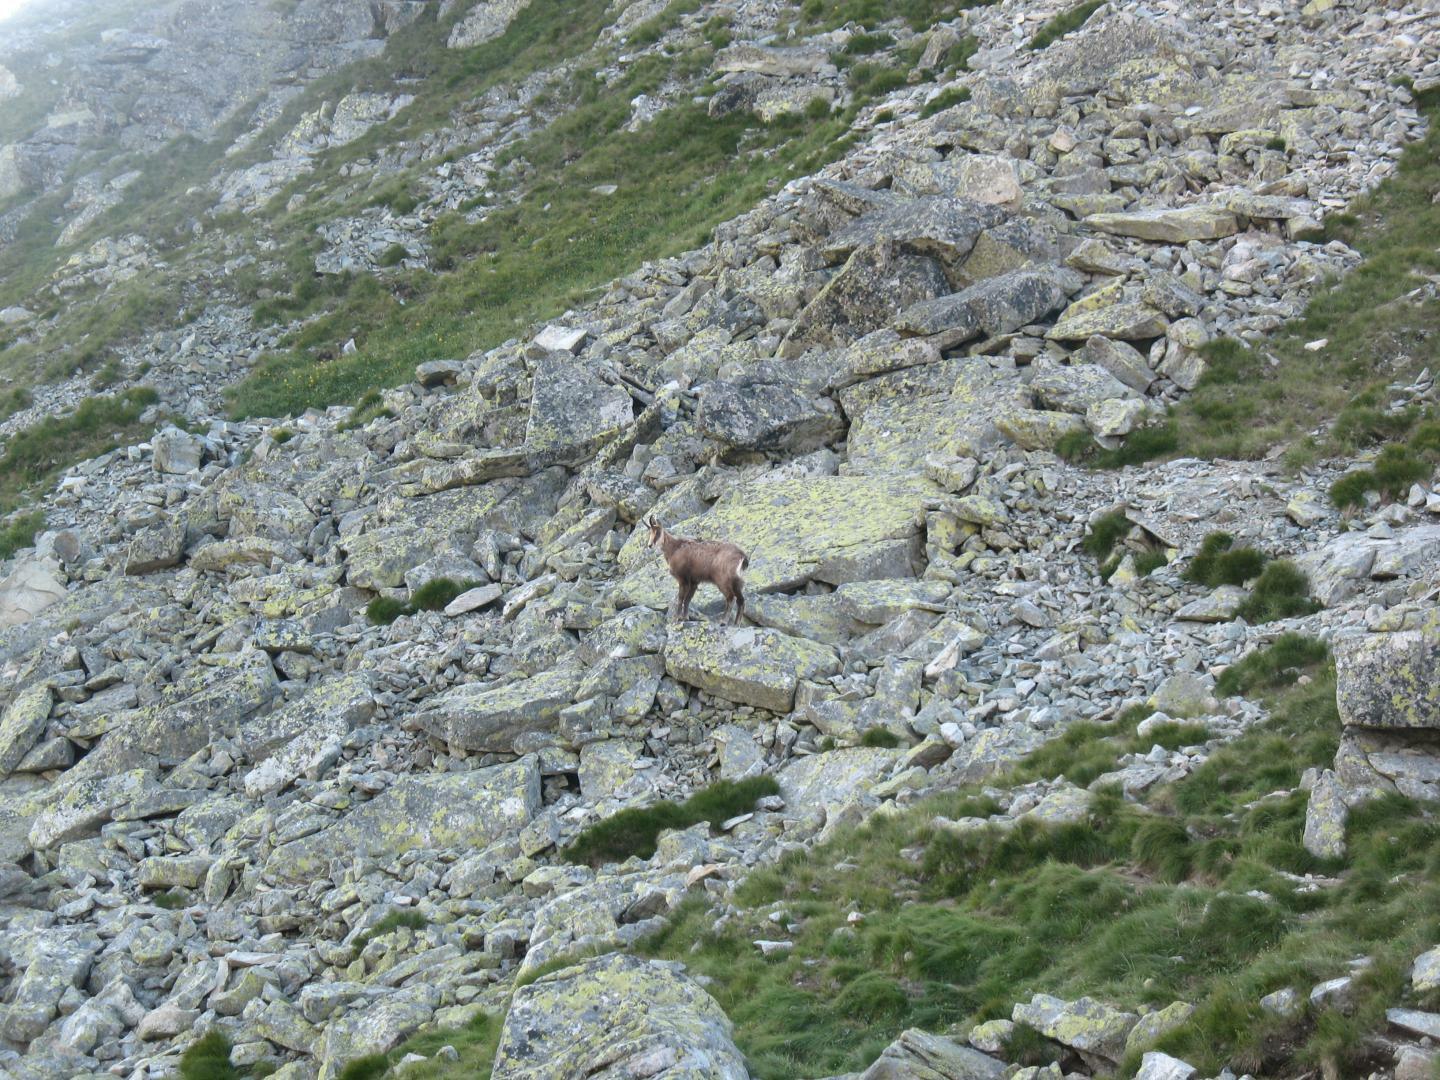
[739,602]
[687,593]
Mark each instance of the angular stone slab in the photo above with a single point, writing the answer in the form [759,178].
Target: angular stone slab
[940,227]
[613,1018]
[1167,224]
[572,412]
[489,717]
[999,305]
[466,811]
[22,725]
[751,665]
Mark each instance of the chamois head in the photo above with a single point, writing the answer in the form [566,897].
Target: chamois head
[656,530]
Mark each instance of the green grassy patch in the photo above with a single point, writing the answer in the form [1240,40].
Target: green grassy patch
[1064,23]
[1142,445]
[676,179]
[919,15]
[881,738]
[634,831]
[19,532]
[1278,664]
[1398,465]
[950,96]
[1134,906]
[474,1044]
[1105,532]
[398,919]
[434,595]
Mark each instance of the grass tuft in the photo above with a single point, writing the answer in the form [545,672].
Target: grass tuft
[400,918]
[947,98]
[1064,23]
[1281,592]
[880,738]
[208,1058]
[1105,533]
[19,532]
[1219,562]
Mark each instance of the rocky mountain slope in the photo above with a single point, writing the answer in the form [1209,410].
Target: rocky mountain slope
[302,716]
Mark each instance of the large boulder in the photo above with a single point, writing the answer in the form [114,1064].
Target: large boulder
[748,664]
[998,305]
[835,778]
[572,412]
[943,228]
[466,811]
[945,411]
[613,1018]
[490,717]
[86,805]
[754,415]
[863,295]
[1390,680]
[821,528]
[1091,1027]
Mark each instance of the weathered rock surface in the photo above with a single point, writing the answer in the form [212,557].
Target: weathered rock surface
[617,1016]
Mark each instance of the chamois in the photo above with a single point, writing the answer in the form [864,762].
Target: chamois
[694,561]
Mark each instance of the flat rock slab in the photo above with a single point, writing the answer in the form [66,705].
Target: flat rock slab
[468,810]
[1168,225]
[821,528]
[490,716]
[613,1018]
[750,665]
[999,305]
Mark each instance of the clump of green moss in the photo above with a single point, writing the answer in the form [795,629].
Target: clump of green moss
[634,831]
[880,738]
